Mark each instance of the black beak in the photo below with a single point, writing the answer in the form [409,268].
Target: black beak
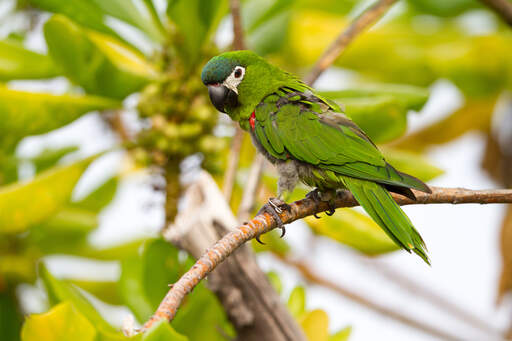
[220,96]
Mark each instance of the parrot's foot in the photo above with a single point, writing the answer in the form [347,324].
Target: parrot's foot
[275,207]
[318,196]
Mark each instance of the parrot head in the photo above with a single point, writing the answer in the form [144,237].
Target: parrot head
[237,81]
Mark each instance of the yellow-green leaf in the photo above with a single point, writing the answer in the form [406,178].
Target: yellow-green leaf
[297,302]
[97,62]
[26,113]
[17,62]
[27,203]
[62,322]
[60,291]
[316,325]
[354,229]
[475,114]
[162,331]
[411,163]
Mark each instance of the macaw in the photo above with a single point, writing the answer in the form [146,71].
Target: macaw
[309,139]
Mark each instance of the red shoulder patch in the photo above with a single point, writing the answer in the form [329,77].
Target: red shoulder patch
[252,120]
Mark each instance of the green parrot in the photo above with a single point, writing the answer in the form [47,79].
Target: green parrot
[309,139]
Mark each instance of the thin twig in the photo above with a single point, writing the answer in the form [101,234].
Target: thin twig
[431,296]
[503,8]
[337,287]
[236,143]
[233,160]
[238,31]
[300,209]
[365,20]
[251,188]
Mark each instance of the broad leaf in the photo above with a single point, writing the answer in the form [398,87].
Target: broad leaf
[266,24]
[196,21]
[85,12]
[128,12]
[100,197]
[444,8]
[411,163]
[62,322]
[381,111]
[17,62]
[162,331]
[475,114]
[107,291]
[354,229]
[28,203]
[60,291]
[316,325]
[28,113]
[99,63]
[49,157]
[297,302]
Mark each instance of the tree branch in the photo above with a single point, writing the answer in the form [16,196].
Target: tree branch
[300,209]
[365,20]
[503,8]
[236,143]
[313,278]
[238,31]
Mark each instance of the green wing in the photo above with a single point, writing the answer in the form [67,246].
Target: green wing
[303,126]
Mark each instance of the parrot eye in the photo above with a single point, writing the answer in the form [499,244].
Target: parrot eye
[238,72]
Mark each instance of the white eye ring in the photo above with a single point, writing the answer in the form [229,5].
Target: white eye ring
[235,78]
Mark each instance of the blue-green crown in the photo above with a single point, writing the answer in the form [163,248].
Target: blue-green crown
[218,69]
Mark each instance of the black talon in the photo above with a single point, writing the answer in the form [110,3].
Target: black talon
[259,241]
[274,209]
[316,216]
[332,209]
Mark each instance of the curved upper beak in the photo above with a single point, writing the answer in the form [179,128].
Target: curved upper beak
[220,96]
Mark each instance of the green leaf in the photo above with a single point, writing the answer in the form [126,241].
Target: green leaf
[266,24]
[62,322]
[100,197]
[28,203]
[128,12]
[444,8]
[409,96]
[145,279]
[98,63]
[162,331]
[195,21]
[60,291]
[107,291]
[297,302]
[381,111]
[411,163]
[71,220]
[316,325]
[342,335]
[354,229]
[85,12]
[27,113]
[17,62]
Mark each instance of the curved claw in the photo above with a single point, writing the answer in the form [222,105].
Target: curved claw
[316,216]
[332,209]
[330,212]
[259,241]
[283,231]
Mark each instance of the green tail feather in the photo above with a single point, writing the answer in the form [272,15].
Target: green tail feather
[379,204]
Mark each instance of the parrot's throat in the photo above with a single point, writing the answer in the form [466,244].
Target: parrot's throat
[252,120]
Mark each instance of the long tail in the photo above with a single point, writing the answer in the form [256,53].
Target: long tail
[379,204]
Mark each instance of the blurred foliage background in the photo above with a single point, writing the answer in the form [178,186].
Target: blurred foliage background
[136,64]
